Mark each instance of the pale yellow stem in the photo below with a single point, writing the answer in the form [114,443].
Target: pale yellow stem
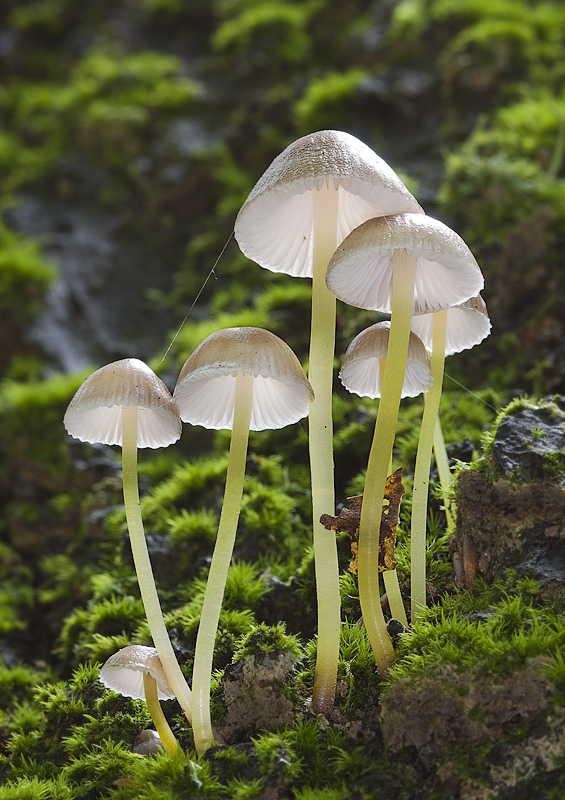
[321,363]
[217,576]
[390,576]
[145,578]
[445,476]
[404,268]
[159,720]
[422,471]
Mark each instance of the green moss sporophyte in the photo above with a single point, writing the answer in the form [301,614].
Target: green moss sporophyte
[136,671]
[125,403]
[312,195]
[443,333]
[362,372]
[403,265]
[242,379]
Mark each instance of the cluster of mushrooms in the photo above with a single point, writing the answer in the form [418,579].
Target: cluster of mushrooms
[330,209]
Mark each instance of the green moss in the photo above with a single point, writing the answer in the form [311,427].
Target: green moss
[274,26]
[267,639]
[25,275]
[491,632]
[107,105]
[325,98]
[17,594]
[99,629]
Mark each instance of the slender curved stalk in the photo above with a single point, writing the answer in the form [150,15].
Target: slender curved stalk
[145,578]
[215,586]
[442,463]
[161,725]
[321,364]
[422,471]
[394,596]
[404,268]
[390,576]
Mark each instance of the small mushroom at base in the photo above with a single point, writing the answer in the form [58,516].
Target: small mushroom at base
[136,671]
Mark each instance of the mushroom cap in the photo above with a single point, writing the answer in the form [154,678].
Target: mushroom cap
[360,270]
[275,224]
[123,672]
[205,390]
[466,325]
[95,413]
[360,368]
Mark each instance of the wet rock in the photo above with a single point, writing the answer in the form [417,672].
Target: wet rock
[529,443]
[517,770]
[253,689]
[98,309]
[517,520]
[437,715]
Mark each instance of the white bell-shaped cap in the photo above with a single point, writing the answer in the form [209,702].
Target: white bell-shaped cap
[466,325]
[360,369]
[95,413]
[205,390]
[123,672]
[360,270]
[275,224]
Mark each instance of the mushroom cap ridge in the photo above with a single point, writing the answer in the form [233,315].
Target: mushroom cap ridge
[466,325]
[360,270]
[360,368]
[274,225]
[205,390]
[123,672]
[94,413]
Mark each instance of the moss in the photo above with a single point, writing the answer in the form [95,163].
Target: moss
[17,593]
[106,105]
[94,631]
[326,97]
[460,636]
[269,25]
[25,275]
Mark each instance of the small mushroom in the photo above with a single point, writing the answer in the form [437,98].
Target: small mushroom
[362,371]
[443,332]
[313,194]
[242,379]
[125,403]
[362,368]
[136,671]
[402,264]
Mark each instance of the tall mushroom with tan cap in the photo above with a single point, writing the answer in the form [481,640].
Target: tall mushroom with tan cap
[125,403]
[402,265]
[238,378]
[136,671]
[443,333]
[312,195]
[362,372]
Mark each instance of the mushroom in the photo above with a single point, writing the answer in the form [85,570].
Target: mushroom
[125,403]
[136,671]
[362,371]
[242,379]
[402,264]
[312,195]
[444,333]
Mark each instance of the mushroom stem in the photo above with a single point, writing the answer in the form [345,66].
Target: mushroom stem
[390,576]
[142,563]
[442,462]
[422,470]
[404,268]
[161,725]
[394,596]
[321,364]
[215,586]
